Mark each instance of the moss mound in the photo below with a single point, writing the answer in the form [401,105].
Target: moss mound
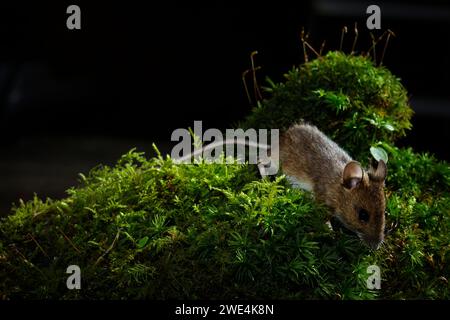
[149,228]
[353,101]
[154,229]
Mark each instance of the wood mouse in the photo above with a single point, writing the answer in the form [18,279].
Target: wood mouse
[313,162]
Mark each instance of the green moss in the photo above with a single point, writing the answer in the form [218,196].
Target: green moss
[149,228]
[218,231]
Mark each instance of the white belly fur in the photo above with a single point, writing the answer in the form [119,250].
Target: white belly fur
[300,184]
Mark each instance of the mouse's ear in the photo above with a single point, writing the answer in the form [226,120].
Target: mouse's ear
[378,174]
[352,175]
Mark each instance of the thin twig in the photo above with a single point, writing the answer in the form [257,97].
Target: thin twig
[38,245]
[374,43]
[26,260]
[343,32]
[70,241]
[109,249]
[390,33]
[20,254]
[305,43]
[312,49]
[258,95]
[322,46]
[244,74]
[373,47]
[355,39]
[303,38]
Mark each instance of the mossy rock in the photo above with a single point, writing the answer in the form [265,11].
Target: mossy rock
[153,229]
[353,101]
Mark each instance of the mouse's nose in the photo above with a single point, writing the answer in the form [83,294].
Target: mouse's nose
[374,245]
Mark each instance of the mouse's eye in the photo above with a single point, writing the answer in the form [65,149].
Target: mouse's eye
[363,215]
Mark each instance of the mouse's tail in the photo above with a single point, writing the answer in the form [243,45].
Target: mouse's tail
[267,164]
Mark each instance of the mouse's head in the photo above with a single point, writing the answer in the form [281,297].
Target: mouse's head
[361,207]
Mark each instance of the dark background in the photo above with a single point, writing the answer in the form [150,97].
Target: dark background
[71,99]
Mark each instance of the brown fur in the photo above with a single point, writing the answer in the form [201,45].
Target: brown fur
[309,156]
